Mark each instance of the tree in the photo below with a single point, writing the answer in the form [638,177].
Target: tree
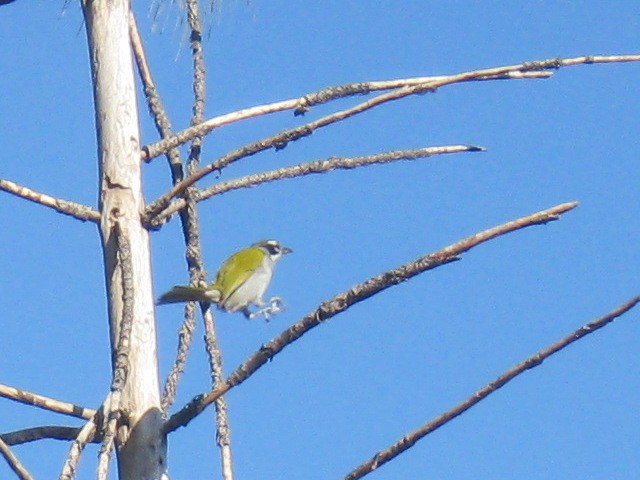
[135,403]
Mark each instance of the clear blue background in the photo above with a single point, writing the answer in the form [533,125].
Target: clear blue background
[370,375]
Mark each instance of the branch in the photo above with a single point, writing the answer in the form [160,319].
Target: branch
[13,462]
[185,338]
[199,79]
[191,227]
[223,431]
[356,294]
[45,403]
[309,168]
[52,432]
[300,105]
[280,140]
[86,435]
[73,209]
[303,104]
[410,439]
[158,112]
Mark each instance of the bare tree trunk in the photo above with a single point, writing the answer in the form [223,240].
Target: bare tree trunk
[141,449]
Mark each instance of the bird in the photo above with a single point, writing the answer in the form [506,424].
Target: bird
[241,281]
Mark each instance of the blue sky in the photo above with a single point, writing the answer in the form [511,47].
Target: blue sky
[370,375]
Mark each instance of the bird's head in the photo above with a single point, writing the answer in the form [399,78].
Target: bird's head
[272,248]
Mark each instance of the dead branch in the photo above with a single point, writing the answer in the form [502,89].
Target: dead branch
[280,140]
[156,107]
[13,462]
[44,432]
[356,294]
[528,70]
[185,337]
[86,435]
[66,207]
[410,439]
[223,433]
[309,168]
[303,104]
[223,430]
[45,403]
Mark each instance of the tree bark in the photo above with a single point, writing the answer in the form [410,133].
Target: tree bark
[141,450]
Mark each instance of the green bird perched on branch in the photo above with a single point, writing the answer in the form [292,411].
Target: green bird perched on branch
[241,281]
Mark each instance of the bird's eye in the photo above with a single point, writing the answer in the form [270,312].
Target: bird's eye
[273,248]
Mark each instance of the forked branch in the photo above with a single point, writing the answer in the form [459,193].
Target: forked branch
[527,70]
[280,140]
[356,294]
[410,439]
[303,104]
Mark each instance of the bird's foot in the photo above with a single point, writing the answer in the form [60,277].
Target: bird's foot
[276,305]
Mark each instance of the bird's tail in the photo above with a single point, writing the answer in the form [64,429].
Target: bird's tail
[180,293]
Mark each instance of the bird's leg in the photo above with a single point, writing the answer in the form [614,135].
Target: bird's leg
[264,312]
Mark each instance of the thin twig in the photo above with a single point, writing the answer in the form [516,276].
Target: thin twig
[156,107]
[223,430]
[45,403]
[194,250]
[13,462]
[197,53]
[66,207]
[408,440]
[112,417]
[112,409]
[50,432]
[356,294]
[86,435]
[308,168]
[185,338]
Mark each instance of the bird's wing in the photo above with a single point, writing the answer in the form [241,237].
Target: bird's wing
[236,270]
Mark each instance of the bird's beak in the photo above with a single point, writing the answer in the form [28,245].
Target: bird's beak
[285,250]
